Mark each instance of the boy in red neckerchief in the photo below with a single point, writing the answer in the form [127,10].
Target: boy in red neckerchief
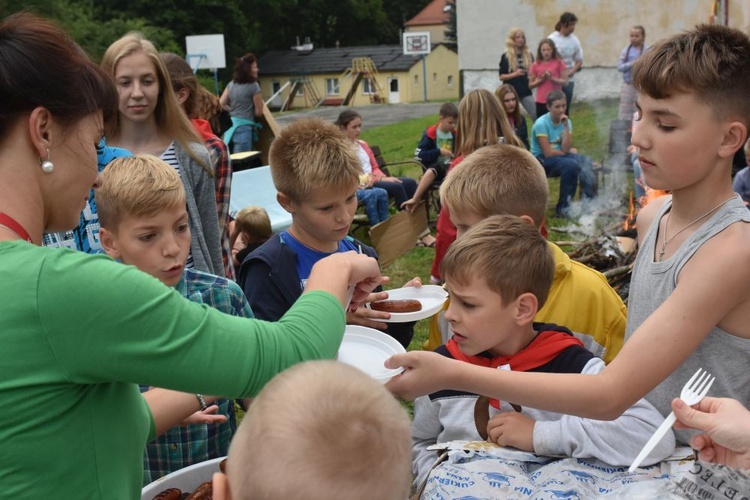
[498,275]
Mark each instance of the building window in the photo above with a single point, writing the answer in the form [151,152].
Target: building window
[368,88]
[434,77]
[450,80]
[416,79]
[332,86]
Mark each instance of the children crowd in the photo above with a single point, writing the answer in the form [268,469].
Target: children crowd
[532,350]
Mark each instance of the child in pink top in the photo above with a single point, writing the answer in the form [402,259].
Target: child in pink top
[546,74]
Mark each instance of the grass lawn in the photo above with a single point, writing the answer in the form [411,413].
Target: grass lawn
[397,143]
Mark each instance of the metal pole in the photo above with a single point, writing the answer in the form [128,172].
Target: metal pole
[424,75]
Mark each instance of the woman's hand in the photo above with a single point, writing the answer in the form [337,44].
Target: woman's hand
[410,205]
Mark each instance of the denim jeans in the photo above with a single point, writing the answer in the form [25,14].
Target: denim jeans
[568,91]
[399,191]
[565,167]
[242,140]
[375,201]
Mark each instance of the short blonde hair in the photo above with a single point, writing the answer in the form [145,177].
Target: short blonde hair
[140,185]
[312,154]
[254,221]
[507,253]
[497,180]
[322,429]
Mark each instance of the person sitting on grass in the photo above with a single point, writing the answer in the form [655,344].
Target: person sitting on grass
[504,180]
[316,173]
[144,223]
[552,144]
[356,445]
[498,274]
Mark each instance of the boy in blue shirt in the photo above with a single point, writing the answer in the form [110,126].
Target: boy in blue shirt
[552,144]
[144,223]
[316,173]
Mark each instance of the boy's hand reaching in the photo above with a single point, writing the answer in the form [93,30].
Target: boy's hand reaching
[207,416]
[424,373]
[512,429]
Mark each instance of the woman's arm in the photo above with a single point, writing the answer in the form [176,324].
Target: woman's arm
[258,104]
[170,408]
[224,99]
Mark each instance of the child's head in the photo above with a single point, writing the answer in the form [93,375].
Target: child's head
[144,222]
[495,180]
[498,274]
[323,428]
[350,122]
[637,35]
[253,224]
[246,69]
[316,171]
[546,50]
[710,62]
[516,40]
[508,97]
[184,82]
[556,104]
[448,117]
[482,121]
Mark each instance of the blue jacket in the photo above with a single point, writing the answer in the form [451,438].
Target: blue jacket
[427,150]
[269,278]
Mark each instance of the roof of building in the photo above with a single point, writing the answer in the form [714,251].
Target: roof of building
[434,13]
[334,60]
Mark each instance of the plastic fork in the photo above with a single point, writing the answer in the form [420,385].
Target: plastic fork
[692,393]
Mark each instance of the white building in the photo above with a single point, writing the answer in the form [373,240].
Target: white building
[603,27]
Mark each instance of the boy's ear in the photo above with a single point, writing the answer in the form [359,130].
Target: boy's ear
[109,243]
[734,139]
[285,202]
[526,308]
[221,487]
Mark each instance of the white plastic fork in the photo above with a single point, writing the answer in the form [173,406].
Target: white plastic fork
[692,393]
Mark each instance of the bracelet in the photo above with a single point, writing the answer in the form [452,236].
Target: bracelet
[201,401]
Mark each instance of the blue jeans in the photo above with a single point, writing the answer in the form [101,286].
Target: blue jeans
[568,91]
[399,191]
[375,201]
[242,140]
[567,169]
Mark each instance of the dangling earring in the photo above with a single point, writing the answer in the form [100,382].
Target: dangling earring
[47,165]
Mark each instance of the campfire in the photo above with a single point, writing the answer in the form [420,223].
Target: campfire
[612,247]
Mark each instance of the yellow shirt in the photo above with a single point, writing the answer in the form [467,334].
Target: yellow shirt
[580,299]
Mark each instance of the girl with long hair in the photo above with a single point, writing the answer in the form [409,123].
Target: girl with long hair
[515,64]
[151,121]
[508,97]
[547,74]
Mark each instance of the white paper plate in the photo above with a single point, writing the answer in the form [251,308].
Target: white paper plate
[367,349]
[432,298]
[186,479]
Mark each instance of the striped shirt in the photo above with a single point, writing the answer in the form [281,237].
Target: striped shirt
[169,156]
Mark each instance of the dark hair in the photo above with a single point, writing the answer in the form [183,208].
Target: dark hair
[40,65]
[448,110]
[181,75]
[642,30]
[565,19]
[555,54]
[242,67]
[555,95]
[346,117]
[712,62]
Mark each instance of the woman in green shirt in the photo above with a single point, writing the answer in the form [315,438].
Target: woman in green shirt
[78,331]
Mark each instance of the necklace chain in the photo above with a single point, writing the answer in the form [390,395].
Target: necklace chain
[666,226]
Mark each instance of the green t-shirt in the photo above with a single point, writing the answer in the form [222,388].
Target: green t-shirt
[79,331]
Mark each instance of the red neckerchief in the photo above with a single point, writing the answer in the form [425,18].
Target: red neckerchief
[545,347]
[203,128]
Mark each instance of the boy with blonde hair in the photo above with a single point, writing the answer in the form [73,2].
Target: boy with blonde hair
[351,441]
[506,180]
[316,173]
[689,303]
[498,274]
[144,223]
